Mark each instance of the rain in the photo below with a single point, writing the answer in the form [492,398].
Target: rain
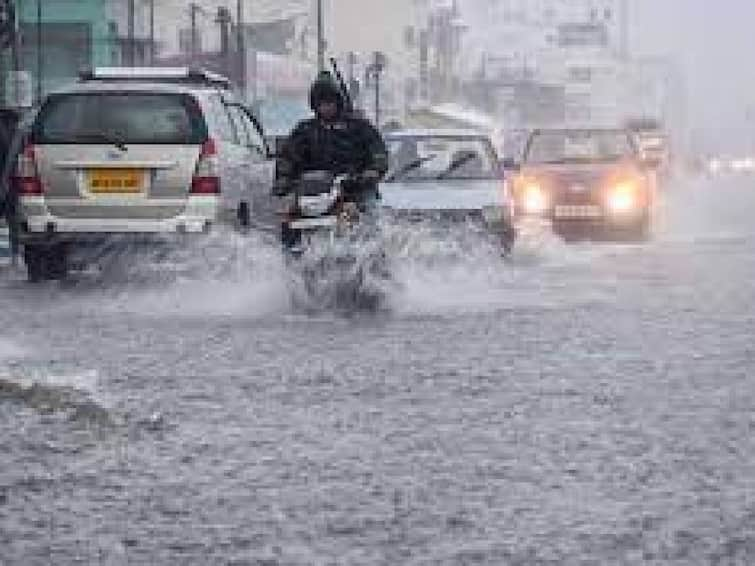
[481,295]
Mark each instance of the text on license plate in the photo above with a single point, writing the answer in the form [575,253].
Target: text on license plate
[578,211]
[116,181]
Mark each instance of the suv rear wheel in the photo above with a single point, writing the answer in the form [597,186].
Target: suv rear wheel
[46,262]
[34,258]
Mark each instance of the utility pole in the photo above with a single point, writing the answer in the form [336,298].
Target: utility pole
[320,37]
[224,20]
[193,9]
[424,66]
[40,53]
[16,45]
[374,71]
[377,100]
[152,47]
[353,82]
[241,48]
[131,40]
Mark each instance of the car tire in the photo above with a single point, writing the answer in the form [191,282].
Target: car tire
[35,258]
[244,215]
[57,263]
[508,239]
[44,263]
[643,229]
[639,231]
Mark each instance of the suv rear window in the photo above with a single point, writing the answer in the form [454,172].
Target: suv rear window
[132,118]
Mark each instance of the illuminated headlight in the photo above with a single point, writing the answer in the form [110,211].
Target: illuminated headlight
[715,165]
[623,198]
[534,200]
[317,205]
[493,214]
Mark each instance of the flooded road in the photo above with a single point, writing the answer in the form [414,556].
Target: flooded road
[587,404]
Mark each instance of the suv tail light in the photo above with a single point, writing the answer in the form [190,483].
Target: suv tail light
[26,178]
[206,180]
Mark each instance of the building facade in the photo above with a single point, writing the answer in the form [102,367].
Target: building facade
[571,54]
[58,38]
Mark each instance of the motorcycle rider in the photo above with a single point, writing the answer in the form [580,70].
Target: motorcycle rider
[334,140]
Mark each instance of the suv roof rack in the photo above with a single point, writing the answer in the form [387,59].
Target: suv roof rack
[175,75]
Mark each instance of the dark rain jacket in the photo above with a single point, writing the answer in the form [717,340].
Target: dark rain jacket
[347,145]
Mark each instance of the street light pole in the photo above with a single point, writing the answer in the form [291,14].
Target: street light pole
[16,45]
[152,48]
[193,9]
[320,37]
[130,51]
[40,54]
[241,46]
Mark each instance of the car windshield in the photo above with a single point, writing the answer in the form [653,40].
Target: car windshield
[578,146]
[121,118]
[440,157]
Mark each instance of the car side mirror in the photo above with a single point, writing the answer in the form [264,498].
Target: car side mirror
[510,164]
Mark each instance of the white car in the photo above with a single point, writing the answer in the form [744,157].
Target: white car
[448,176]
[136,152]
[5,249]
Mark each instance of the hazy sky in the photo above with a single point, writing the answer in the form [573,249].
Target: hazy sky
[714,42]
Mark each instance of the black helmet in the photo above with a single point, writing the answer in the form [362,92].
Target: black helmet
[325,89]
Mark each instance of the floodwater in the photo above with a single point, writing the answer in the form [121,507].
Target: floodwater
[579,404]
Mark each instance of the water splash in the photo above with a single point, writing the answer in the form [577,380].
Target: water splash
[9,350]
[76,395]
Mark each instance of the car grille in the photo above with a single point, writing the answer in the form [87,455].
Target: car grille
[577,193]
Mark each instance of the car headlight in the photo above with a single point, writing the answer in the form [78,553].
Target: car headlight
[534,200]
[623,198]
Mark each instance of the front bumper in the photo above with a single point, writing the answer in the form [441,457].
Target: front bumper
[587,214]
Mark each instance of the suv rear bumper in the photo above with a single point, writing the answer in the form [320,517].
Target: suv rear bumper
[37,223]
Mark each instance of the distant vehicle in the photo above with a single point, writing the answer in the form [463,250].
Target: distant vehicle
[5,246]
[136,152]
[448,176]
[652,142]
[586,181]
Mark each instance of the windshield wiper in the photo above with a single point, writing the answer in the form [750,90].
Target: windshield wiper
[456,165]
[411,166]
[112,139]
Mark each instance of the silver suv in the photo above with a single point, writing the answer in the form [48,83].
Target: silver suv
[136,151]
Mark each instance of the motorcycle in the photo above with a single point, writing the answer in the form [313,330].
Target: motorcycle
[333,244]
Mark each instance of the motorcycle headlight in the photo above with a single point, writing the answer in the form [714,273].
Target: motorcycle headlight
[315,205]
[534,199]
[623,198]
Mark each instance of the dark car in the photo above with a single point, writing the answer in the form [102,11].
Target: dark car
[589,182]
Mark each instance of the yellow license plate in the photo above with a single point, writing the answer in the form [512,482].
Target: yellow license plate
[116,181]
